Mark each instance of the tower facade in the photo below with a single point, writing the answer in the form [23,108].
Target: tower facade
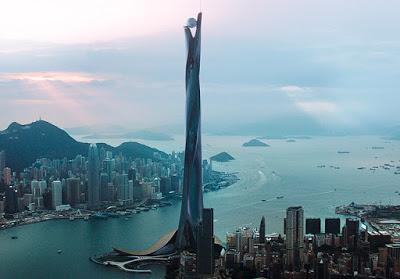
[93,177]
[262,230]
[294,237]
[56,193]
[192,196]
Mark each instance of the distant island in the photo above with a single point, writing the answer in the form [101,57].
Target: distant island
[255,142]
[144,135]
[222,157]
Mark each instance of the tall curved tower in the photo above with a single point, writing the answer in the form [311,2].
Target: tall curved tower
[192,196]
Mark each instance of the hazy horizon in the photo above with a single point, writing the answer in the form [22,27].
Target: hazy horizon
[299,67]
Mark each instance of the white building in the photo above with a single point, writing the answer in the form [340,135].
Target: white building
[56,194]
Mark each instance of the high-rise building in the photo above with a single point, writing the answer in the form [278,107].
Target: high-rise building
[192,196]
[73,191]
[104,186]
[2,161]
[7,176]
[294,237]
[35,189]
[332,225]
[205,244]
[11,202]
[42,186]
[56,194]
[262,230]
[93,177]
[313,225]
[122,187]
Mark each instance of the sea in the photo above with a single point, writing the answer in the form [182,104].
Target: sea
[308,172]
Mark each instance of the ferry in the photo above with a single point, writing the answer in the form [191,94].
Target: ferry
[279,197]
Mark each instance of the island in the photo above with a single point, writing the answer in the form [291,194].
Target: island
[222,157]
[254,143]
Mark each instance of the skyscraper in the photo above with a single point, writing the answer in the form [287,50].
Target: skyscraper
[192,196]
[56,193]
[11,202]
[262,230]
[294,237]
[93,177]
[2,160]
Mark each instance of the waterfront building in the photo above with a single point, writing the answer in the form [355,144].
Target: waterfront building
[93,190]
[56,194]
[122,187]
[332,225]
[73,191]
[313,225]
[11,202]
[294,237]
[104,187]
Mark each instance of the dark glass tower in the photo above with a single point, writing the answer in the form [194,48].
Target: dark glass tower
[262,230]
[192,199]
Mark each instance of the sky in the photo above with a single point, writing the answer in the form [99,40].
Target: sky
[294,67]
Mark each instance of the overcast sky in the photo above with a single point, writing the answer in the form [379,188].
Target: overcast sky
[75,63]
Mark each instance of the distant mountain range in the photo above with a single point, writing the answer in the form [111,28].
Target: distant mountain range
[24,144]
[118,132]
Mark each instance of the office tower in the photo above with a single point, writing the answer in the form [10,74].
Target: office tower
[132,174]
[2,159]
[56,194]
[351,231]
[192,196]
[313,226]
[42,186]
[73,191]
[131,183]
[294,237]
[104,186]
[205,244]
[332,225]
[122,187]
[11,202]
[174,183]
[165,185]
[7,176]
[35,189]
[93,177]
[262,230]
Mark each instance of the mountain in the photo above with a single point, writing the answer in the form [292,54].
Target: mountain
[222,157]
[24,144]
[255,142]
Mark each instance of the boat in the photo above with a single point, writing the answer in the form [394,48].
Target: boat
[263,200]
[59,251]
[361,168]
[86,218]
[100,215]
[14,237]
[343,152]
[279,197]
[71,218]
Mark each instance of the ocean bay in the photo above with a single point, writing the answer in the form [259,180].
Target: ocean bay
[287,169]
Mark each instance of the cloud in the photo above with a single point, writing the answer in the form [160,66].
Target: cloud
[67,77]
[292,89]
[317,107]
